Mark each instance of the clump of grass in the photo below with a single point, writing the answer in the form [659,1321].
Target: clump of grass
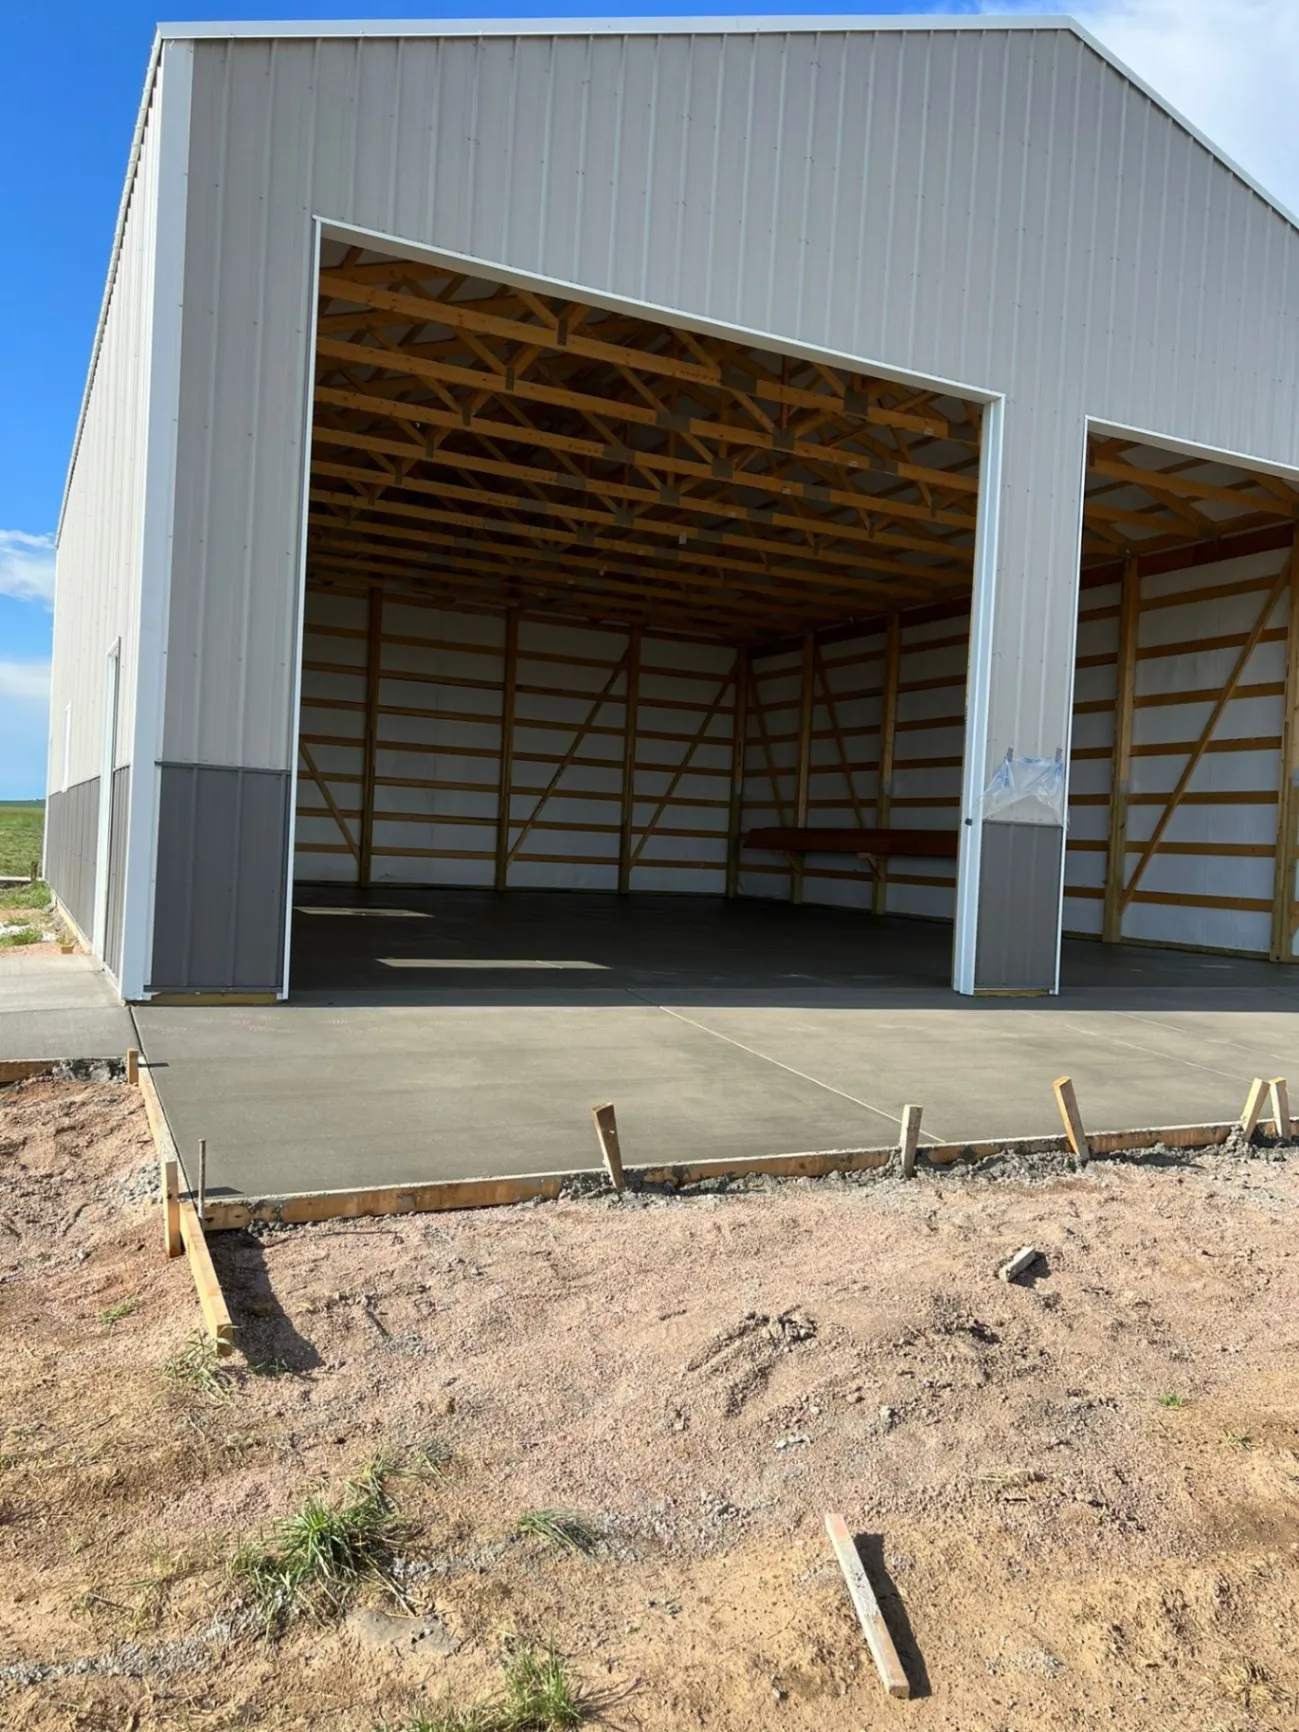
[1246,1682]
[19,936]
[539,1695]
[1173,1401]
[557,1527]
[1238,1439]
[33,895]
[114,1313]
[196,1365]
[427,1463]
[314,1561]
[275,1367]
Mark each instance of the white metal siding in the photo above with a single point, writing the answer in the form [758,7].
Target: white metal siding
[996,207]
[97,571]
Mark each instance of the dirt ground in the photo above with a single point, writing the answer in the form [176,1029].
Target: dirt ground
[1078,1495]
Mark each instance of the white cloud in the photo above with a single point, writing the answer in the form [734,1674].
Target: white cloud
[25,682]
[27,566]
[1230,66]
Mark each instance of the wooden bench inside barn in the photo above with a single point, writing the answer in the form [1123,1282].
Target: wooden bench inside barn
[873,846]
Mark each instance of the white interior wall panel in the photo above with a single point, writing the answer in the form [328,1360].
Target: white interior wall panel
[770,768]
[966,204]
[685,716]
[100,541]
[843,780]
[333,732]
[1222,900]
[1091,767]
[928,756]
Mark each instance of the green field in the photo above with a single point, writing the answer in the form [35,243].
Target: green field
[22,824]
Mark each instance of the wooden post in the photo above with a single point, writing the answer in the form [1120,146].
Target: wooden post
[1067,1101]
[1255,1101]
[869,1616]
[170,1172]
[888,738]
[1287,810]
[739,735]
[606,1129]
[629,761]
[506,781]
[804,772]
[1116,858]
[910,1137]
[1279,1106]
[133,1066]
[369,766]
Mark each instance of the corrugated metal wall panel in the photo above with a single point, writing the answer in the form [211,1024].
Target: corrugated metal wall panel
[996,207]
[71,840]
[119,801]
[97,569]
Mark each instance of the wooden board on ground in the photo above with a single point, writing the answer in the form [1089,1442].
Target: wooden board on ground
[871,1619]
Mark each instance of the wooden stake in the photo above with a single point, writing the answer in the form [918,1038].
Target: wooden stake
[910,1137]
[1121,762]
[1255,1101]
[606,1129]
[170,1172]
[133,1066]
[888,739]
[507,747]
[1067,1101]
[739,736]
[211,1300]
[1279,1102]
[869,1616]
[202,1177]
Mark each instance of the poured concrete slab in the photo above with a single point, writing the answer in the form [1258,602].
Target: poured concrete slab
[720,1030]
[54,1007]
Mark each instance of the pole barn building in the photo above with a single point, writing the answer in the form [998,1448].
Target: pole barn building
[835,462]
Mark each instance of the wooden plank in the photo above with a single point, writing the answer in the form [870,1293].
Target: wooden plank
[1255,1101]
[628,793]
[211,1300]
[1067,1101]
[1278,1095]
[168,1162]
[869,1616]
[888,744]
[505,784]
[1121,771]
[1287,822]
[370,741]
[740,676]
[14,1070]
[606,1130]
[910,1138]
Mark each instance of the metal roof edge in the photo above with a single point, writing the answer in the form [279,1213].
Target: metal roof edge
[114,257]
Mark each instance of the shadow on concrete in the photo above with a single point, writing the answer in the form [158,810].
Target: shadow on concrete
[263,1332]
[870,1549]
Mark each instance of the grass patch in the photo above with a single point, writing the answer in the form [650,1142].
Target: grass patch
[196,1365]
[1238,1439]
[22,827]
[314,1561]
[1174,1402]
[428,1463]
[276,1367]
[34,895]
[1248,1684]
[557,1527]
[19,936]
[114,1313]
[538,1695]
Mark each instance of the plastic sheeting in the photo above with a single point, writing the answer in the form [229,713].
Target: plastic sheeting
[1026,791]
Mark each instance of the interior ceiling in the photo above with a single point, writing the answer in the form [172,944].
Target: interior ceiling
[493,446]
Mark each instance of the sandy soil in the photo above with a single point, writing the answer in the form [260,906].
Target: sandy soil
[1055,1547]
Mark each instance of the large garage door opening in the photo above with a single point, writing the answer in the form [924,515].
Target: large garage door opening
[658,619]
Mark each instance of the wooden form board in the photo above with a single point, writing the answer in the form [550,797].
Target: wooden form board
[1208,678]
[439,715]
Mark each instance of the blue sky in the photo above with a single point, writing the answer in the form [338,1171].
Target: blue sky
[72,88]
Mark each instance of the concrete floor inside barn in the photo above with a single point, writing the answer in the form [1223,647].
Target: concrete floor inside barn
[447,1033]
